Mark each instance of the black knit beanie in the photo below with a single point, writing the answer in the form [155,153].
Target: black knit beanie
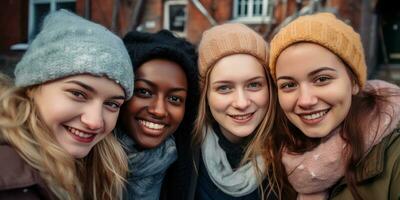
[143,47]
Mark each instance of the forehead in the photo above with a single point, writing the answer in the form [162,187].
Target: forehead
[97,85]
[237,67]
[304,57]
[162,71]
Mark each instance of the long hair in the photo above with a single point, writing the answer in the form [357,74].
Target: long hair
[364,105]
[104,170]
[22,127]
[256,145]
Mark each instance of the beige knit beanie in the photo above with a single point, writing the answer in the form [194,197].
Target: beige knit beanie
[328,31]
[228,39]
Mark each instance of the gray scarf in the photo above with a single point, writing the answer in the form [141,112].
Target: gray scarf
[147,167]
[236,183]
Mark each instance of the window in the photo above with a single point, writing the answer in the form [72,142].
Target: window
[252,11]
[38,9]
[175,16]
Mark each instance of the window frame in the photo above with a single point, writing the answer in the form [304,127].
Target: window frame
[266,15]
[166,15]
[32,19]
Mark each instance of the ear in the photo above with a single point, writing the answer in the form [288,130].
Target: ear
[31,92]
[355,89]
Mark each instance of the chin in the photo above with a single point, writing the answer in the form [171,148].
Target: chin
[149,144]
[78,154]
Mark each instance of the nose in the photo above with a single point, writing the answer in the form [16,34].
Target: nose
[92,117]
[307,98]
[242,100]
[158,108]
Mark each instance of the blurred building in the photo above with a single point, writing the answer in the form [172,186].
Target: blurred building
[378,21]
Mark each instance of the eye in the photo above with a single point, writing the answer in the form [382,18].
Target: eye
[254,85]
[287,86]
[223,89]
[322,80]
[77,94]
[142,92]
[113,106]
[175,100]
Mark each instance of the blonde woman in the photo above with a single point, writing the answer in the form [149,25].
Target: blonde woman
[235,113]
[56,122]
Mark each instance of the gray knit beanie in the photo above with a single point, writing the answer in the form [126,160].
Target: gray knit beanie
[70,45]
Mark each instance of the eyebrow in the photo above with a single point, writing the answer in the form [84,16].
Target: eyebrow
[91,89]
[226,81]
[320,70]
[309,74]
[154,85]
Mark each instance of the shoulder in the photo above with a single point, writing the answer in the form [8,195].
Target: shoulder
[14,171]
[378,175]
[393,150]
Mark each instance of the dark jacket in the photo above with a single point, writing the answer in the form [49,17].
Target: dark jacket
[177,181]
[378,174]
[18,180]
[182,177]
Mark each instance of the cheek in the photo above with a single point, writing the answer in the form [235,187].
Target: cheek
[286,101]
[110,120]
[339,95]
[261,98]
[54,113]
[178,114]
[342,99]
[217,102]
[133,106]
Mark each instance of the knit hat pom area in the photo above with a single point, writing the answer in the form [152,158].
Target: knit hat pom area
[228,39]
[326,30]
[71,45]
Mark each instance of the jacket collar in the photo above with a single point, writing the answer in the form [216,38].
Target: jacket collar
[373,164]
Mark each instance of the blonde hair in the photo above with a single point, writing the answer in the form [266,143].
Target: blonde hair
[68,178]
[256,146]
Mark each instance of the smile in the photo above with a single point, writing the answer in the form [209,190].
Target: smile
[315,115]
[313,118]
[242,118]
[151,125]
[80,135]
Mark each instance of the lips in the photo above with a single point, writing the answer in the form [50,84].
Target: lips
[151,128]
[242,118]
[314,117]
[80,135]
[151,125]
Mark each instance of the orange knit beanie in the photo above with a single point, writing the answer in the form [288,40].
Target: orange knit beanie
[228,39]
[328,31]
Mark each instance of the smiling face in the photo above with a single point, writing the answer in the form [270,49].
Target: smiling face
[158,105]
[314,88]
[238,95]
[79,110]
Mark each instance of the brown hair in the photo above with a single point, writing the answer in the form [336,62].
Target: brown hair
[284,134]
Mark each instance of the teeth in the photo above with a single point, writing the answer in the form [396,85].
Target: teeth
[79,133]
[241,117]
[315,115]
[151,125]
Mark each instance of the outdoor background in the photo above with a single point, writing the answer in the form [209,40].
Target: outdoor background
[377,21]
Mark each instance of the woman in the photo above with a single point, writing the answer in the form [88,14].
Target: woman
[336,134]
[55,123]
[155,125]
[236,111]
